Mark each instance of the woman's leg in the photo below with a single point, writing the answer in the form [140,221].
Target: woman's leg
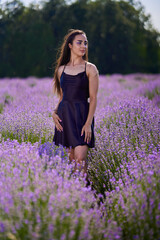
[70,153]
[80,156]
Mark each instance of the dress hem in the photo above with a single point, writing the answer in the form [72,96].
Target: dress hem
[74,145]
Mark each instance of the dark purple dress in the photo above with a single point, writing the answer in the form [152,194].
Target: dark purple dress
[73,110]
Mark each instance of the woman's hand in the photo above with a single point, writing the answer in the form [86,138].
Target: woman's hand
[88,133]
[56,120]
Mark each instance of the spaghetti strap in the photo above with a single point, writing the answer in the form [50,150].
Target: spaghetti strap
[64,67]
[85,66]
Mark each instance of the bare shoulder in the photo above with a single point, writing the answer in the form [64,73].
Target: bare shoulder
[60,70]
[91,69]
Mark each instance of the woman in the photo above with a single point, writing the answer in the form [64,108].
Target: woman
[75,80]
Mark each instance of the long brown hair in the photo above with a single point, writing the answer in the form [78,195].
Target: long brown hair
[64,56]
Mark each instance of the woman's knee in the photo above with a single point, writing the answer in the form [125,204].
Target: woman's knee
[80,153]
[80,156]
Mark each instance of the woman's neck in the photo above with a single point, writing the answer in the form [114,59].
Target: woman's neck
[75,62]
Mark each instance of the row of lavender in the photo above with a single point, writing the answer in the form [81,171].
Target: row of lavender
[40,196]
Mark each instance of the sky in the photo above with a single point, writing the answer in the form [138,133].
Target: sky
[152,7]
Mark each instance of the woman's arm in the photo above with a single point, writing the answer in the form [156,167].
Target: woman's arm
[93,76]
[93,90]
[55,116]
[60,99]
[60,69]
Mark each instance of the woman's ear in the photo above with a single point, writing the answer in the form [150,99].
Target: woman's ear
[70,45]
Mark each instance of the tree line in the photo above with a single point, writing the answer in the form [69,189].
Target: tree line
[120,35]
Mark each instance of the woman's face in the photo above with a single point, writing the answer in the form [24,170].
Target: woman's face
[79,45]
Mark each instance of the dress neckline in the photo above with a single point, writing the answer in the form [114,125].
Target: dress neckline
[75,74]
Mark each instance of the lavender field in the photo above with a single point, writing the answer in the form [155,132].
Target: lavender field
[40,196]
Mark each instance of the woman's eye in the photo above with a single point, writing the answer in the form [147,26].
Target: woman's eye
[85,43]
